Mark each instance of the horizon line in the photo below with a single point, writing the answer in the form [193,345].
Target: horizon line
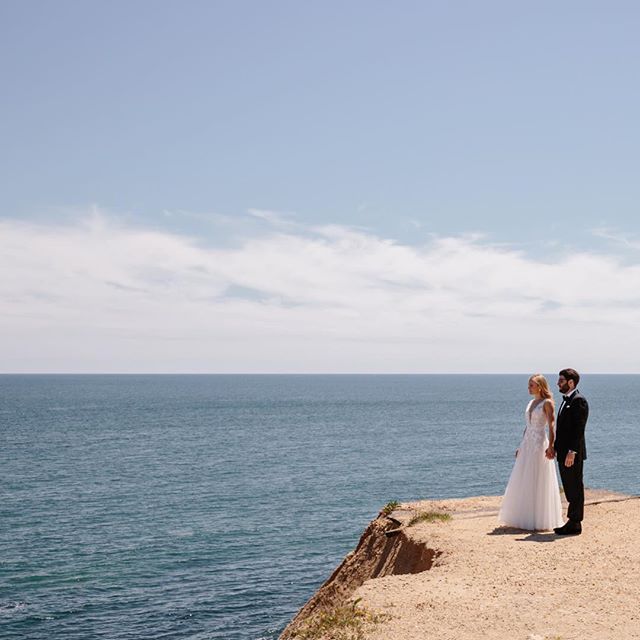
[295,373]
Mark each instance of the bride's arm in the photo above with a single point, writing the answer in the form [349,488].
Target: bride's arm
[551,422]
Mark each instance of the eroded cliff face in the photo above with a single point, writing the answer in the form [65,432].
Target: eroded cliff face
[384,549]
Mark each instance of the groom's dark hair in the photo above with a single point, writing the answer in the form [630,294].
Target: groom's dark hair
[570,374]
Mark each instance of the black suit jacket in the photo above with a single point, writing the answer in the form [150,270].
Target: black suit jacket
[570,426]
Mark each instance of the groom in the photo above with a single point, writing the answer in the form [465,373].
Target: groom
[570,448]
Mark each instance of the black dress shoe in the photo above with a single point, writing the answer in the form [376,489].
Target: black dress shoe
[569,529]
[558,530]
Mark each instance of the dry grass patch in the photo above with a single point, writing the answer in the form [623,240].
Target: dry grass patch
[390,507]
[347,622]
[429,516]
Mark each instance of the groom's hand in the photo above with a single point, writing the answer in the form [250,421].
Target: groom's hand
[570,459]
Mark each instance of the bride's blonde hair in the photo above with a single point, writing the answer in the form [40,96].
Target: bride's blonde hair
[543,385]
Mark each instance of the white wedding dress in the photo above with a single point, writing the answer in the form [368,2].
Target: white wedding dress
[532,498]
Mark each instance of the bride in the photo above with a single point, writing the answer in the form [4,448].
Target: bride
[532,497]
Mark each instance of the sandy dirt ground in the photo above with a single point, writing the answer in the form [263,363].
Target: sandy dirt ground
[507,584]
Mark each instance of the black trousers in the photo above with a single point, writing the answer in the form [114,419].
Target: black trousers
[573,486]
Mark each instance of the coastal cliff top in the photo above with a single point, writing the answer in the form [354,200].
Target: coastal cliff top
[505,584]
[463,577]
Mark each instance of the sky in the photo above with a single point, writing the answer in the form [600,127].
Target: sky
[329,187]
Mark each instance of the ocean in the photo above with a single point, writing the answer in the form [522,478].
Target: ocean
[213,506]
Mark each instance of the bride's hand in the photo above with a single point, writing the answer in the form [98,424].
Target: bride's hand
[550,453]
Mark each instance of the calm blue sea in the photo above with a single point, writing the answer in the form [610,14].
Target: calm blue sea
[174,507]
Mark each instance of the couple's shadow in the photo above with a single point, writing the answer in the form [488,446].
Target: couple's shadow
[529,536]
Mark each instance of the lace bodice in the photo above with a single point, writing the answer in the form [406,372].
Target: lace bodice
[536,430]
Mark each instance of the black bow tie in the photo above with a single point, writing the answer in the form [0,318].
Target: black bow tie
[566,398]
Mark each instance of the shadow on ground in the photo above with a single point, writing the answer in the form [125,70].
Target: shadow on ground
[531,536]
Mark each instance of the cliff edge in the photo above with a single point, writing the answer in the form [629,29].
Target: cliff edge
[445,569]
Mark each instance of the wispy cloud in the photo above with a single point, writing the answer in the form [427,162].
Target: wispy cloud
[102,295]
[275,218]
[617,237]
